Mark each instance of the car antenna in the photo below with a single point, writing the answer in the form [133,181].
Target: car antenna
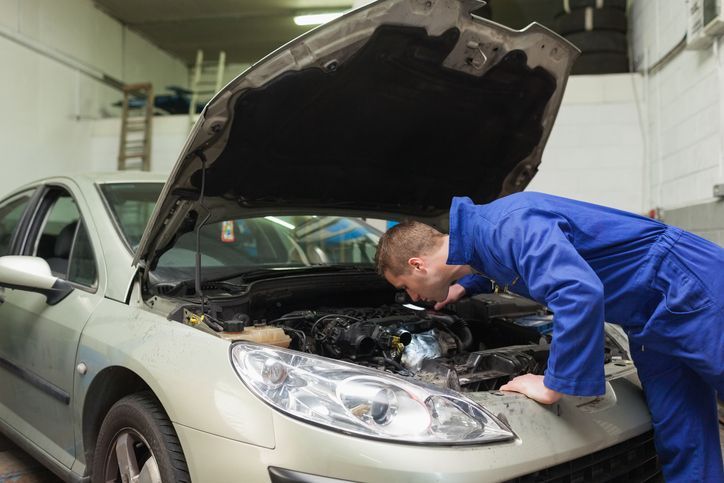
[197,281]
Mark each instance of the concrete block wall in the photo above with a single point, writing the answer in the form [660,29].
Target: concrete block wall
[684,104]
[706,220]
[169,136]
[596,149]
[49,105]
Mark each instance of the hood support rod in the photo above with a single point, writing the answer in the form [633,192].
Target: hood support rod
[197,282]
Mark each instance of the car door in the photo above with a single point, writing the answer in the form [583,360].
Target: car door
[39,341]
[12,212]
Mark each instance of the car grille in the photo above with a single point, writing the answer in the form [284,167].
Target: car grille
[634,460]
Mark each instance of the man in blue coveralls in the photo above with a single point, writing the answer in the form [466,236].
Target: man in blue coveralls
[588,264]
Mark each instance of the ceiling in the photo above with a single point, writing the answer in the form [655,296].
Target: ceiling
[249,29]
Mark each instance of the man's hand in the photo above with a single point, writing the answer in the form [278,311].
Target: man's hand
[454,293]
[532,386]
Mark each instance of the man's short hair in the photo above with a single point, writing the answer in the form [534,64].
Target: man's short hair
[404,241]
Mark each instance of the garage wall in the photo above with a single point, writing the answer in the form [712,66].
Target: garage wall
[169,136]
[596,149]
[48,105]
[683,98]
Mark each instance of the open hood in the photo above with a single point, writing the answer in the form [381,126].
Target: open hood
[393,108]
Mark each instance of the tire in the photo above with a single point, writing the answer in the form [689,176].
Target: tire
[600,19]
[138,426]
[599,41]
[570,5]
[600,63]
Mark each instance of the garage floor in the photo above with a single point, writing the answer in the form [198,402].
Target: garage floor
[17,466]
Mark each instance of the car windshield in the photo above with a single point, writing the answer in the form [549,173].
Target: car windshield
[242,245]
[235,246]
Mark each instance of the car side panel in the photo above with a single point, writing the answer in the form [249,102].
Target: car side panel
[189,370]
[40,341]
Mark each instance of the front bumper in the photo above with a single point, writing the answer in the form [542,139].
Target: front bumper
[280,475]
[546,436]
[634,460]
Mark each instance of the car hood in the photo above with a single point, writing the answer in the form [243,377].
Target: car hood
[393,108]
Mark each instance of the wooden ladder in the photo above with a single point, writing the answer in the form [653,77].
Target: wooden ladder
[206,80]
[136,125]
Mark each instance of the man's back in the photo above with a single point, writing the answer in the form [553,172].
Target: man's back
[617,245]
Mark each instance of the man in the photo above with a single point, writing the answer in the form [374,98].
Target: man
[588,264]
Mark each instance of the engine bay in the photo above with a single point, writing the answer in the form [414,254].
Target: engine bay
[434,347]
[476,344]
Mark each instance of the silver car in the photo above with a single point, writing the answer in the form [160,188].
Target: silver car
[226,324]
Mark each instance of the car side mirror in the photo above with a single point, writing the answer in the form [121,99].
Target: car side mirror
[33,275]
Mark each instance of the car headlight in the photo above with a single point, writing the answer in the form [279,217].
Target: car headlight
[361,401]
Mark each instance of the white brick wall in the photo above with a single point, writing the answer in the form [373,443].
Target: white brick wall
[46,104]
[596,149]
[169,136]
[656,27]
[683,106]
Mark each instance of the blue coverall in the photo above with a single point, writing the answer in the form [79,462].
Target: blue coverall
[591,263]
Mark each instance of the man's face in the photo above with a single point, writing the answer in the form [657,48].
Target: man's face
[421,282]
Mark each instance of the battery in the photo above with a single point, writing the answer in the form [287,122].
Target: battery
[542,323]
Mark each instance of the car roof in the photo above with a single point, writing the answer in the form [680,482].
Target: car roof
[120,176]
[102,177]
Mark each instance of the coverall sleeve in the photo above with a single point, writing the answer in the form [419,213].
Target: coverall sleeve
[475,284]
[539,245]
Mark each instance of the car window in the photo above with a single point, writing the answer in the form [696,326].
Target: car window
[131,205]
[82,264]
[10,213]
[63,240]
[238,245]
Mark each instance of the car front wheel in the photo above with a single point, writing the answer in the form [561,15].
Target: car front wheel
[137,444]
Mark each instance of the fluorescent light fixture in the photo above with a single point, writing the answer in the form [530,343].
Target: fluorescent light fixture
[280,222]
[316,18]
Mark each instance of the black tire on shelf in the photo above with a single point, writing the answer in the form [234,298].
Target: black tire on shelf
[599,41]
[137,426]
[600,63]
[567,6]
[600,19]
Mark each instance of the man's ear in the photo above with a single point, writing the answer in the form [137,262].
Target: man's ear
[416,263]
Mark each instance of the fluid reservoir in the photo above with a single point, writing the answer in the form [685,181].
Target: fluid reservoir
[263,334]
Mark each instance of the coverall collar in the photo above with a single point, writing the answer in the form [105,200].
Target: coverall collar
[459,252]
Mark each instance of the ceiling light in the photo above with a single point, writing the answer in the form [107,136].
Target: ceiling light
[316,18]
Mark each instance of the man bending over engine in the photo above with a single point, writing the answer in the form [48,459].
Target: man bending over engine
[588,264]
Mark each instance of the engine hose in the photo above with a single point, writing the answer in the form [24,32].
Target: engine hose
[459,329]
[463,331]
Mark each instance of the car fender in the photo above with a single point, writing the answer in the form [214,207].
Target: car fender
[189,371]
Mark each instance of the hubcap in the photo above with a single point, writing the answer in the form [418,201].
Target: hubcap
[130,460]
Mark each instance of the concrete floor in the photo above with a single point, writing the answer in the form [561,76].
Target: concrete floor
[16,466]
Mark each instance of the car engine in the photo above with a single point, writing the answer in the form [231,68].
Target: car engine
[476,344]
[437,348]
